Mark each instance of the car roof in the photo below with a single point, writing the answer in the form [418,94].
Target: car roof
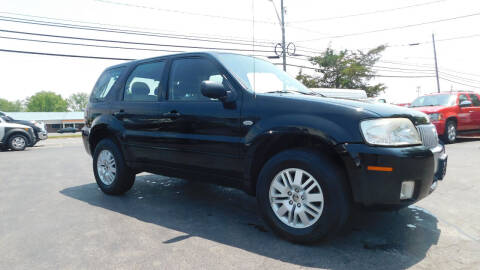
[199,53]
[452,93]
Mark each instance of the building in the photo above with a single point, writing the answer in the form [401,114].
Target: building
[53,120]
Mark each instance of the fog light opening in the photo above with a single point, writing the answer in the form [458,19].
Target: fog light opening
[407,189]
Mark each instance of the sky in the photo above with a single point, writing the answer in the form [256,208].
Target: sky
[312,26]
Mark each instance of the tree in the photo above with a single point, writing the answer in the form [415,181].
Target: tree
[8,106]
[77,102]
[46,101]
[345,69]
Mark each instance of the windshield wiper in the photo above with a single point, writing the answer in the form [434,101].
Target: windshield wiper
[294,91]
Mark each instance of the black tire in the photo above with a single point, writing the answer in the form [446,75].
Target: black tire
[15,146]
[124,177]
[332,180]
[446,138]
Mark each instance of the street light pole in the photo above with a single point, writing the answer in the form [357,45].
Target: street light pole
[281,20]
[283,37]
[436,65]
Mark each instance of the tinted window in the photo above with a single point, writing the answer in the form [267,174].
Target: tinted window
[105,83]
[186,76]
[144,82]
[462,98]
[434,100]
[475,100]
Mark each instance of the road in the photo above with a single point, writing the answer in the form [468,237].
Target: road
[53,216]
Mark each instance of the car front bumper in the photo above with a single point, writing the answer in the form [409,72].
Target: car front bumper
[440,125]
[377,188]
[43,135]
[85,134]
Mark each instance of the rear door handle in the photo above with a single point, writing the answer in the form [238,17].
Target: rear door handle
[172,114]
[119,113]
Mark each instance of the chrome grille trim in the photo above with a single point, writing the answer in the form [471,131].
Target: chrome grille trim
[429,135]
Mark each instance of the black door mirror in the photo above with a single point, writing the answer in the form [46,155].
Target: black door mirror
[466,103]
[216,90]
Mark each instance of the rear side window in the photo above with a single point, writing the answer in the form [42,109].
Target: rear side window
[475,100]
[144,82]
[105,83]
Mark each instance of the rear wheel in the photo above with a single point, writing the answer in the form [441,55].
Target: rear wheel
[17,142]
[303,195]
[450,132]
[111,173]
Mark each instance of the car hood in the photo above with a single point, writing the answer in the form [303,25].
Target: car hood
[429,109]
[15,125]
[379,110]
[27,123]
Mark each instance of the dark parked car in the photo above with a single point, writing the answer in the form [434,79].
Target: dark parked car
[240,121]
[38,128]
[67,130]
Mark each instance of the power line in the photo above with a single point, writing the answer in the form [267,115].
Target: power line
[183,12]
[439,40]
[425,65]
[376,75]
[128,42]
[66,55]
[395,27]
[227,38]
[89,45]
[119,31]
[409,77]
[404,71]
[383,68]
[460,78]
[464,84]
[368,12]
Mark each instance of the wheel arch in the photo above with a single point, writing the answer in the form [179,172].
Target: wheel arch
[100,132]
[15,131]
[452,118]
[268,146]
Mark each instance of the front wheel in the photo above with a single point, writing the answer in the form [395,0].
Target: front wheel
[111,173]
[450,132]
[17,142]
[303,195]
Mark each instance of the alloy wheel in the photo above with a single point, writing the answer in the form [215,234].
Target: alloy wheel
[106,167]
[296,198]
[18,142]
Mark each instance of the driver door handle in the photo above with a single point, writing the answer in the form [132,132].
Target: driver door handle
[172,115]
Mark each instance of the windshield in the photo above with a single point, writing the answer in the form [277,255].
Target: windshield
[260,76]
[434,100]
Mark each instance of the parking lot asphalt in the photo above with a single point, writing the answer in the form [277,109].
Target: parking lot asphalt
[53,216]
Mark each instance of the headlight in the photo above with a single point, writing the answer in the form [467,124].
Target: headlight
[390,132]
[435,116]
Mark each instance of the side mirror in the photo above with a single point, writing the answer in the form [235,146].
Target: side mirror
[466,103]
[216,90]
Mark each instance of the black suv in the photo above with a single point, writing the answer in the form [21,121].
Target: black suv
[239,121]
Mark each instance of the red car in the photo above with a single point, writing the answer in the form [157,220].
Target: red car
[453,113]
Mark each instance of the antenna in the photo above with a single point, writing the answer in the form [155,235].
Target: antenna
[253,46]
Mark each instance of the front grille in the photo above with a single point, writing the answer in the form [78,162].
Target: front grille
[429,135]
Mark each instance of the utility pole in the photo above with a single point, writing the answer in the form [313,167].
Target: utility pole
[284,49]
[436,65]
[281,20]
